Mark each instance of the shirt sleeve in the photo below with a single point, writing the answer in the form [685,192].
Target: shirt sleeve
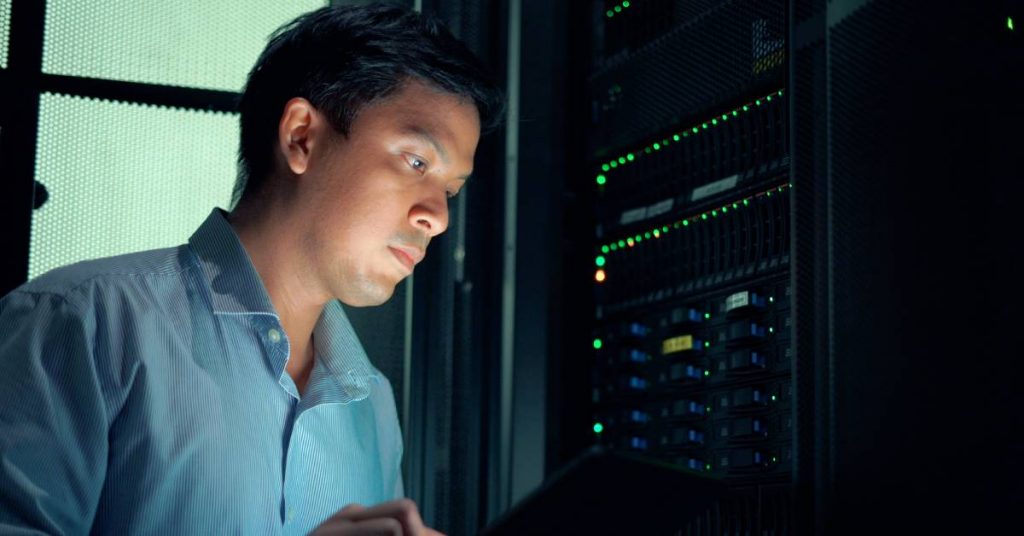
[53,419]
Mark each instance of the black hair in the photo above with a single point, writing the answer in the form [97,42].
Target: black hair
[342,59]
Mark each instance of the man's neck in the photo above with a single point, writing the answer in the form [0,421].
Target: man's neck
[277,256]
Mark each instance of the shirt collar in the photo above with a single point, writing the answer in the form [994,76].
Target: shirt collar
[236,288]
[342,357]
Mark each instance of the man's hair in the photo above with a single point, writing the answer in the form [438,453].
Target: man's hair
[343,59]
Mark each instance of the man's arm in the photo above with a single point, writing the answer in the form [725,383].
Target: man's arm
[53,417]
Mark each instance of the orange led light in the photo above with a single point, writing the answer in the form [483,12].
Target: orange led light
[599,276]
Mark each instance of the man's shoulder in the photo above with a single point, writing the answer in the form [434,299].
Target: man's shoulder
[132,270]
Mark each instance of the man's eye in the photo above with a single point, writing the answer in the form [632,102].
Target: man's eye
[417,163]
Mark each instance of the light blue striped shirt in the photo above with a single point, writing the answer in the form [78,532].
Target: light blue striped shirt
[147,394]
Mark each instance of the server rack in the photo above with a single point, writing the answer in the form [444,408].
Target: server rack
[688,154]
[798,269]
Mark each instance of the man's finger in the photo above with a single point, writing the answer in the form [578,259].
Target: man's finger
[384,526]
[350,509]
[403,510]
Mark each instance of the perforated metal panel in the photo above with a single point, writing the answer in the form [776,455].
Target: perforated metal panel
[722,53]
[195,43]
[5,30]
[124,177]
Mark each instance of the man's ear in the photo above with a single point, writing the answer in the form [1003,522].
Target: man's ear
[296,133]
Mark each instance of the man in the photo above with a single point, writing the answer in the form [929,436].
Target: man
[217,387]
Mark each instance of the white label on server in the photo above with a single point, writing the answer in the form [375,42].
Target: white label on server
[716,187]
[634,215]
[659,208]
[740,299]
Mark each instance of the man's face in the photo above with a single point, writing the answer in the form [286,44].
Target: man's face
[378,196]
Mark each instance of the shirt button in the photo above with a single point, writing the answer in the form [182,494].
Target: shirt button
[274,335]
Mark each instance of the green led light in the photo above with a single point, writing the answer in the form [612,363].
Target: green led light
[622,160]
[771,330]
[735,205]
[598,428]
[707,372]
[707,467]
[657,146]
[725,209]
[771,299]
[647,235]
[686,223]
[694,130]
[614,247]
[664,141]
[707,316]
[618,9]
[601,179]
[647,150]
[625,4]
[656,233]
[598,344]
[600,260]
[675,137]
[746,108]
[707,344]
[714,213]
[758,102]
[704,125]
[780,92]
[769,194]
[1009,23]
[704,216]
[605,167]
[714,121]
[707,409]
[630,157]
[775,459]
[746,201]
[622,243]
[613,164]
[768,98]
[604,249]
[610,13]
[774,398]
[664,228]
[735,113]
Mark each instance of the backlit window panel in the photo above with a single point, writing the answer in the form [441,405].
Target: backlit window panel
[191,43]
[125,177]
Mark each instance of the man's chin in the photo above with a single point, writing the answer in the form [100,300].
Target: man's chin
[368,295]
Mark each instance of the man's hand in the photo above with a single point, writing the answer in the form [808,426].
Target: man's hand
[394,518]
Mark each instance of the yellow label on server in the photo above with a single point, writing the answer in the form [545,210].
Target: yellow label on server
[677,344]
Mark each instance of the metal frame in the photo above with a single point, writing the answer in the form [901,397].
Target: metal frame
[21,86]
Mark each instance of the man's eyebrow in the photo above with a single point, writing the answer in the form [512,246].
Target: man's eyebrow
[429,137]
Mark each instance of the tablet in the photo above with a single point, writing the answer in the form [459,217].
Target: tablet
[606,492]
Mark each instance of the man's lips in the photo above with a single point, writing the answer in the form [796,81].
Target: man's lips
[408,256]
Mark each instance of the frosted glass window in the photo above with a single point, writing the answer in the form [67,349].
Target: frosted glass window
[125,177]
[5,30]
[208,44]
